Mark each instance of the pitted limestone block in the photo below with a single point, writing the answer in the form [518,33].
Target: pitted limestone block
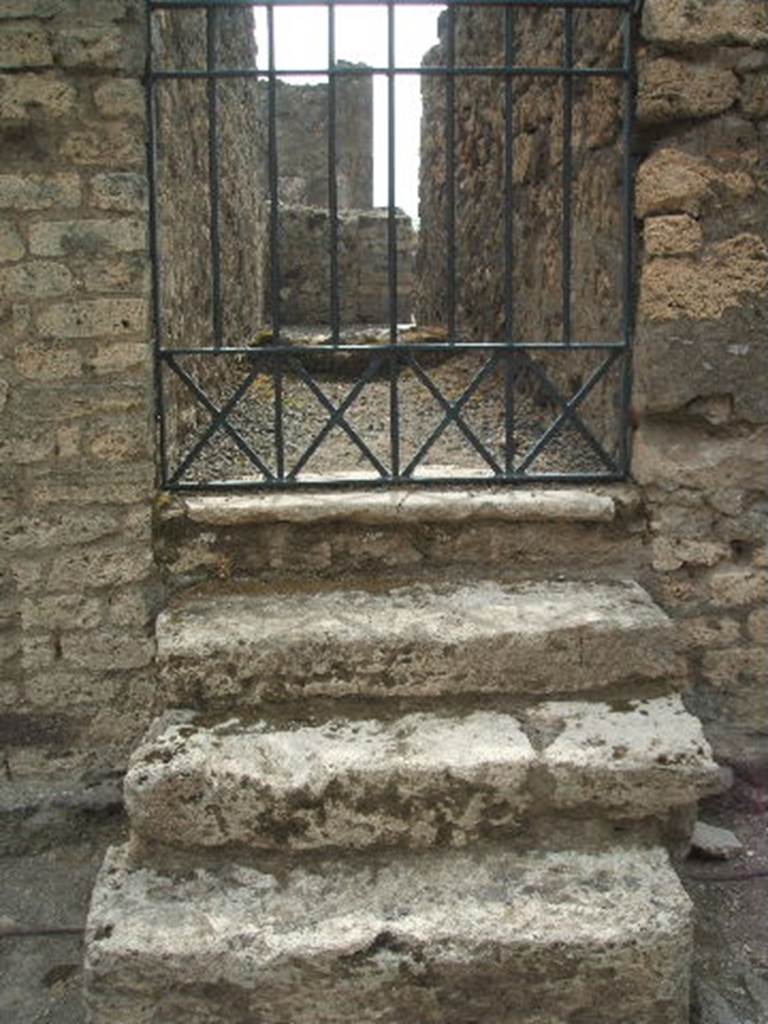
[419,781]
[448,936]
[403,506]
[714,22]
[419,640]
[630,763]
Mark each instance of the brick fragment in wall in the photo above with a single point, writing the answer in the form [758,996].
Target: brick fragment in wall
[671,89]
[31,96]
[24,44]
[680,23]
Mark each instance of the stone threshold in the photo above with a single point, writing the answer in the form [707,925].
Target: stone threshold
[374,506]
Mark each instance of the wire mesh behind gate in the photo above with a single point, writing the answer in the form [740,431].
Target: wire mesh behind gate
[515,367]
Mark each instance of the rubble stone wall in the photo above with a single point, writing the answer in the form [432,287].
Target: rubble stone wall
[76,596]
[302,140]
[536,123]
[363,266]
[701,361]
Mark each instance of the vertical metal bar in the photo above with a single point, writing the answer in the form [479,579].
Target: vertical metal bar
[154,252]
[391,189]
[509,244]
[333,191]
[277,382]
[628,220]
[450,175]
[272,171]
[394,414]
[567,243]
[213,175]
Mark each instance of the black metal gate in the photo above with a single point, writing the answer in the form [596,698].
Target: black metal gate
[524,267]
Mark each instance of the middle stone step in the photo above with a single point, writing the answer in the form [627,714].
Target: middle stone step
[419,780]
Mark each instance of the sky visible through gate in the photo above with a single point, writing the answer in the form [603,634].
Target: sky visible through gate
[301,42]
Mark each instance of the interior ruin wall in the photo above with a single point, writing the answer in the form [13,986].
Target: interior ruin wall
[536,119]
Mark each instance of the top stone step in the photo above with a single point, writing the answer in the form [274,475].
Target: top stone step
[414,641]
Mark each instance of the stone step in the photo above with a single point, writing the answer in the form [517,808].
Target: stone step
[420,780]
[456,937]
[423,640]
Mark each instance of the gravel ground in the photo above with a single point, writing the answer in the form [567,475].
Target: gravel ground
[51,850]
[370,415]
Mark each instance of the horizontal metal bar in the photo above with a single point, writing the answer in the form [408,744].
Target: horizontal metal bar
[160,5]
[402,347]
[488,70]
[491,480]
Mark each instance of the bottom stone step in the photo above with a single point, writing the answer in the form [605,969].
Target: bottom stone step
[482,936]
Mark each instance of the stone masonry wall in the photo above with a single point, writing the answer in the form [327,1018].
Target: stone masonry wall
[77,472]
[701,364]
[363,266]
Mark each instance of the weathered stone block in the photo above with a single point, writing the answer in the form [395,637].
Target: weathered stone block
[90,318]
[95,47]
[58,528]
[24,44]
[87,237]
[670,89]
[126,192]
[608,935]
[29,96]
[41,279]
[736,585]
[43,361]
[754,95]
[118,357]
[673,181]
[674,456]
[64,688]
[39,192]
[674,235]
[414,641]
[101,565]
[106,649]
[671,553]
[11,244]
[738,669]
[682,23]
[711,631]
[112,144]
[421,780]
[126,444]
[120,97]
[728,274]
[64,611]
[757,625]
[125,274]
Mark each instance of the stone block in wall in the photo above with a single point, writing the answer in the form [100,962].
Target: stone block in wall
[25,44]
[39,192]
[11,244]
[672,89]
[91,237]
[673,456]
[29,96]
[705,23]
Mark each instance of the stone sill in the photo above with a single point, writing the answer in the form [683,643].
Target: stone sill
[405,505]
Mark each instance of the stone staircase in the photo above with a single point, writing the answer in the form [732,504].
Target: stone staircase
[439,801]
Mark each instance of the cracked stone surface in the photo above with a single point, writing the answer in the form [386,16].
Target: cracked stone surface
[421,780]
[420,640]
[450,936]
